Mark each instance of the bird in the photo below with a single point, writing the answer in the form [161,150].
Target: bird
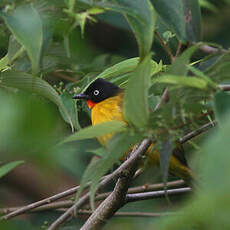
[105,100]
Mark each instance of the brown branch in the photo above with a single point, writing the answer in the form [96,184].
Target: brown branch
[40,203]
[179,48]
[65,77]
[164,45]
[212,50]
[197,132]
[224,87]
[135,155]
[157,194]
[131,214]
[112,203]
[69,203]
[164,98]
[86,212]
[145,188]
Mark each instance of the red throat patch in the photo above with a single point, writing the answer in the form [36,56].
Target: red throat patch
[90,104]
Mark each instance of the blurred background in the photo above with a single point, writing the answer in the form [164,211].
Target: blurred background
[32,126]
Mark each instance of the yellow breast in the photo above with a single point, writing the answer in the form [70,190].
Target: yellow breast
[108,110]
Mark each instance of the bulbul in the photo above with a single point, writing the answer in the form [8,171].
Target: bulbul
[105,100]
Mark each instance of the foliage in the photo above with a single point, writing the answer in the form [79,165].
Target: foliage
[51,50]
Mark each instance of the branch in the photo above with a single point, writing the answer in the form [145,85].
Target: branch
[164,98]
[211,50]
[145,188]
[224,87]
[135,155]
[157,194]
[65,77]
[102,196]
[197,132]
[69,203]
[86,212]
[164,45]
[40,203]
[131,214]
[112,203]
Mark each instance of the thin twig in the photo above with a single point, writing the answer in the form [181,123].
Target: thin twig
[54,205]
[132,214]
[145,188]
[68,203]
[40,203]
[65,77]
[156,194]
[83,212]
[135,154]
[224,87]
[164,45]
[164,98]
[212,50]
[197,132]
[178,48]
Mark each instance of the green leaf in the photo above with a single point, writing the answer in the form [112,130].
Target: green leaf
[220,70]
[182,81]
[143,25]
[119,69]
[181,16]
[99,151]
[71,108]
[8,167]
[26,25]
[140,15]
[179,66]
[122,71]
[165,153]
[135,108]
[200,74]
[127,66]
[33,84]
[14,49]
[4,62]
[97,130]
[208,5]
[221,106]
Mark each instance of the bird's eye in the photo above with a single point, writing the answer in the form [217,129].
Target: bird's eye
[96,92]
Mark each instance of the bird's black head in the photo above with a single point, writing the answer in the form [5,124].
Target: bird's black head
[98,91]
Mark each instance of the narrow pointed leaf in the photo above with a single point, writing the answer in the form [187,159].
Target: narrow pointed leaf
[136,109]
[181,16]
[165,153]
[26,25]
[33,84]
[127,66]
[8,167]
[71,107]
[140,15]
[179,66]
[96,131]
[221,106]
[182,81]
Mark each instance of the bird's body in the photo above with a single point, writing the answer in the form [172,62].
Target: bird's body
[110,108]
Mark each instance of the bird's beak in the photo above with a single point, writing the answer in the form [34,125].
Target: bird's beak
[81,96]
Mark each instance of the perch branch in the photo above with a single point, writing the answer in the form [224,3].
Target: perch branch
[136,153]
